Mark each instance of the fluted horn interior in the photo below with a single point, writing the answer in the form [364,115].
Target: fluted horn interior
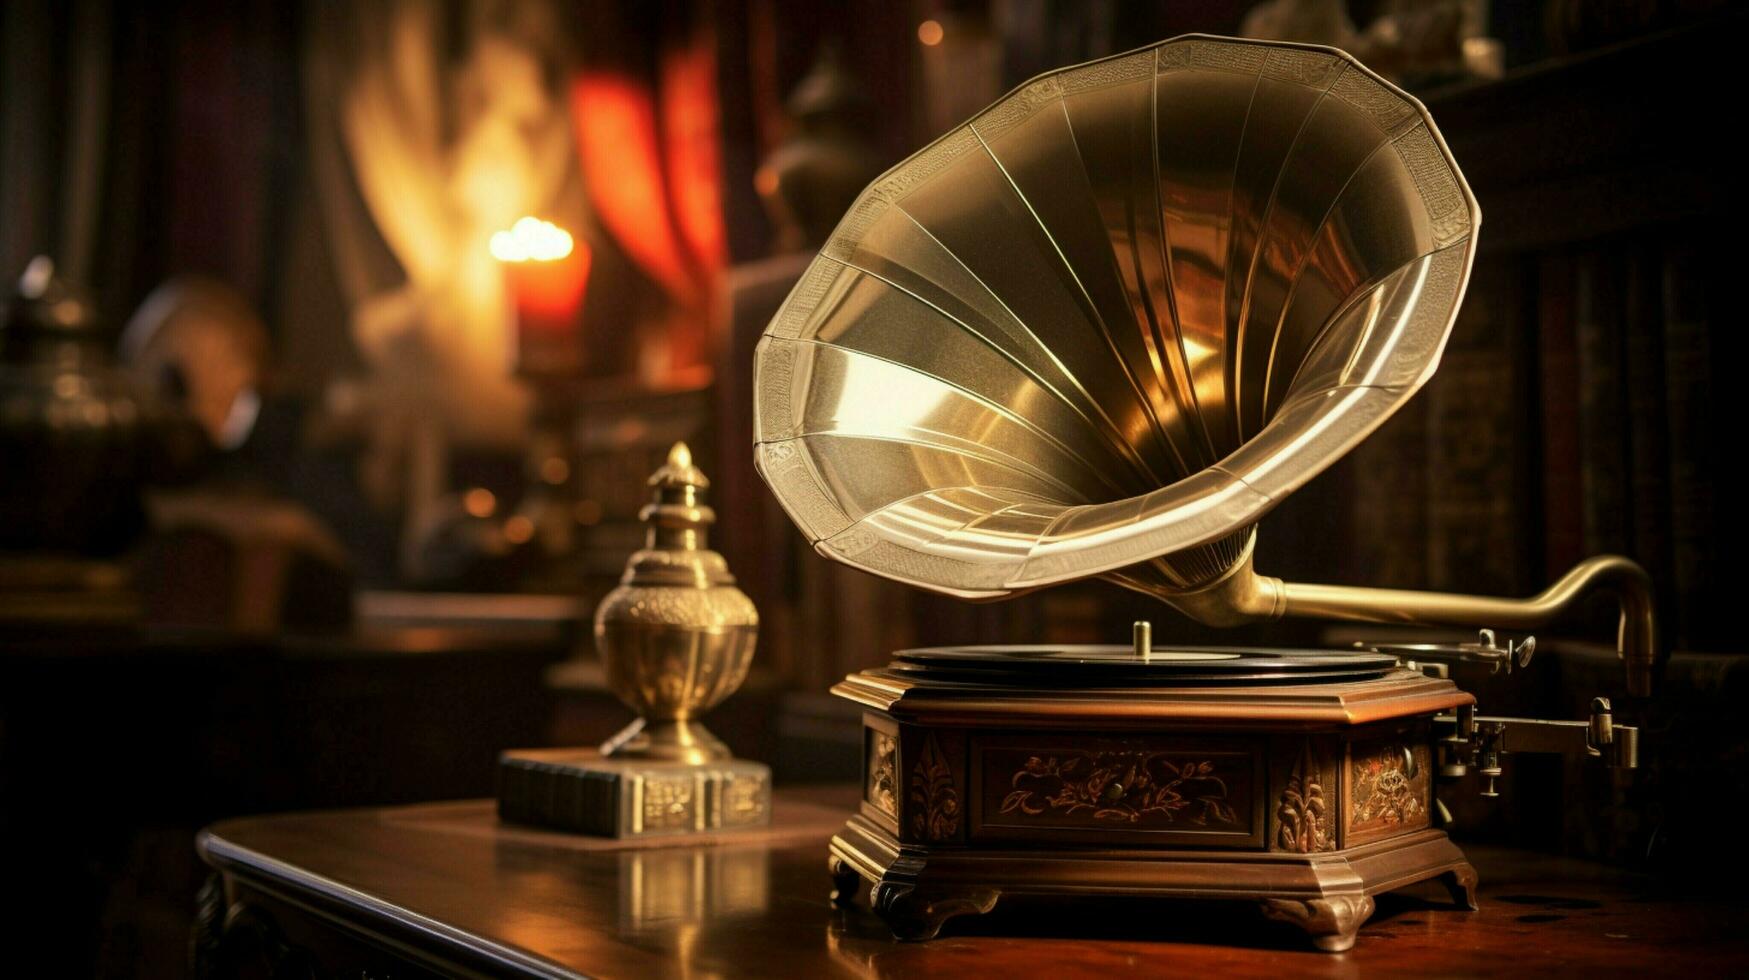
[1107,324]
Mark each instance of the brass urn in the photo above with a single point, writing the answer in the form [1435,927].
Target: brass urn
[676,635]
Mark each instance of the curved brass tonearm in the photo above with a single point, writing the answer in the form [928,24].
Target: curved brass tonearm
[1243,596]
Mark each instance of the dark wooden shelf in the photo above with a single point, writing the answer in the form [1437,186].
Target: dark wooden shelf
[1578,148]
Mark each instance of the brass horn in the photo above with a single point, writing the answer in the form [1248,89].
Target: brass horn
[1106,325]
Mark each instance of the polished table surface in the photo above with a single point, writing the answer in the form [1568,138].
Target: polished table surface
[447,888]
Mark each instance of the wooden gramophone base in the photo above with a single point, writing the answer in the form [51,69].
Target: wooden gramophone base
[1308,797]
[1328,895]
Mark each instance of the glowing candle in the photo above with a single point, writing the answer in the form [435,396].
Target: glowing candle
[545,271]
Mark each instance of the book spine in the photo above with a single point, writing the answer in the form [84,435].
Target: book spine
[1603,452]
[1558,398]
[1647,434]
[1690,415]
[1476,441]
[1387,484]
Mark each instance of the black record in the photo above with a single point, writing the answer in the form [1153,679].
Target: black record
[1102,666]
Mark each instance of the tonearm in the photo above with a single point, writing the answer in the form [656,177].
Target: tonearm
[1471,741]
[1240,595]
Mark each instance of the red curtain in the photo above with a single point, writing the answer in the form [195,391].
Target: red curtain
[650,140]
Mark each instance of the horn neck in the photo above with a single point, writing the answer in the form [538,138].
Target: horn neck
[1241,595]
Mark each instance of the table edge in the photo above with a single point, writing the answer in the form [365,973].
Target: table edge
[406,932]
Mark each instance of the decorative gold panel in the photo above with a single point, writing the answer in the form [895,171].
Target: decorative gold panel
[1389,789]
[883,755]
[668,803]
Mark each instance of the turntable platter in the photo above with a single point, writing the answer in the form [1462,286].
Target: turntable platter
[1102,665]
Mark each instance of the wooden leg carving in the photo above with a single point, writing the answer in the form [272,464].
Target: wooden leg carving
[1331,921]
[845,881]
[916,915]
[1461,882]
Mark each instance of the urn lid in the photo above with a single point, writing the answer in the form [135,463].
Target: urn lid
[678,471]
[676,548]
[677,497]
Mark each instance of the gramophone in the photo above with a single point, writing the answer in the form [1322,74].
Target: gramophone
[1102,329]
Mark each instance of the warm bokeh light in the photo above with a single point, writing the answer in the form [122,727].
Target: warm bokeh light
[929,32]
[545,272]
[555,470]
[518,529]
[479,502]
[765,181]
[531,240]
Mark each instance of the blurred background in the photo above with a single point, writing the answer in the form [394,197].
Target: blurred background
[342,337]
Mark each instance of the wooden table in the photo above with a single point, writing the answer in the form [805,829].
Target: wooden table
[446,889]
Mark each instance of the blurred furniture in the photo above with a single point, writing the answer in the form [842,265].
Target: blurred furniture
[565,616]
[49,589]
[76,437]
[117,743]
[251,562]
[445,890]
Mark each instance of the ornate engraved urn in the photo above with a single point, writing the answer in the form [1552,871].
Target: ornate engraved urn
[676,638]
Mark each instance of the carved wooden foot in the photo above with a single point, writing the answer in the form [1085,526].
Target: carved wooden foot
[915,915]
[845,881]
[1331,921]
[1461,882]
